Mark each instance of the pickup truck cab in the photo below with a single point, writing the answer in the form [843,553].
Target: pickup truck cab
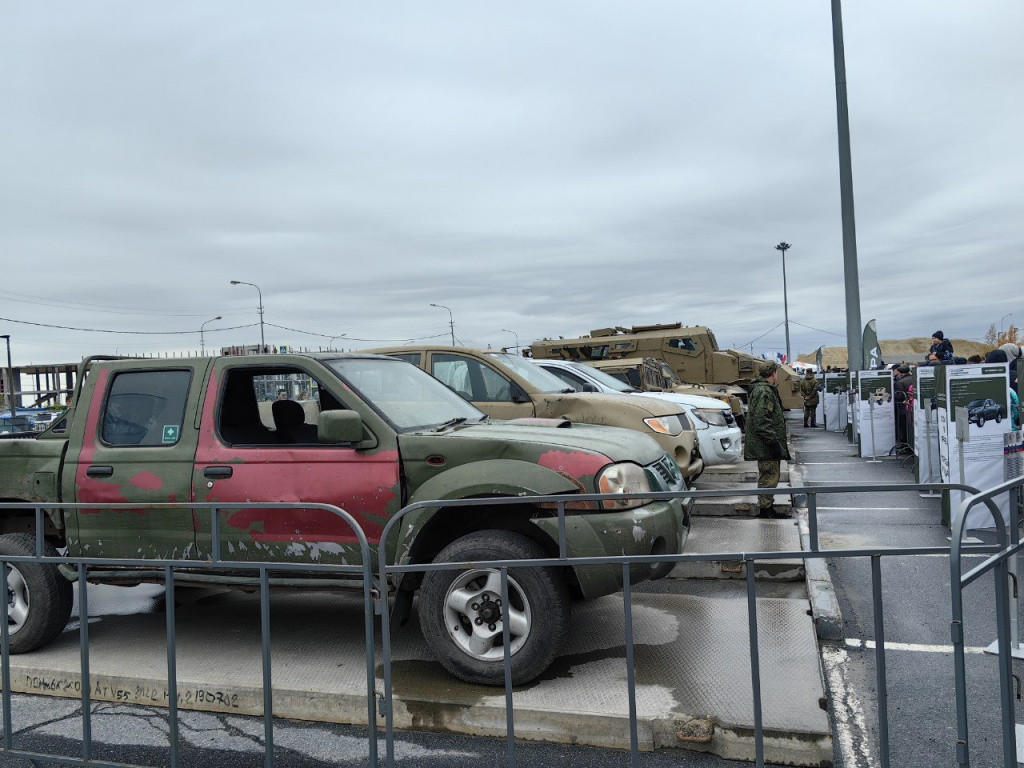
[365,433]
[506,386]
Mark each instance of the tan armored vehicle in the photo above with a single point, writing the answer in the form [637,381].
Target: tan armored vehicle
[652,375]
[691,351]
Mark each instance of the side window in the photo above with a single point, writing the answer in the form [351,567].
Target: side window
[411,357]
[146,408]
[270,405]
[685,344]
[574,381]
[471,378]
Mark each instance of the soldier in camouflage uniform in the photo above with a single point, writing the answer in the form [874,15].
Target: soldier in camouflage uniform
[764,440]
[809,390]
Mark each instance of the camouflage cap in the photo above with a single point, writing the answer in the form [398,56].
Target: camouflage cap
[767,369]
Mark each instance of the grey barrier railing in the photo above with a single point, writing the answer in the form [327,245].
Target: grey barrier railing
[214,562]
[999,564]
[375,600]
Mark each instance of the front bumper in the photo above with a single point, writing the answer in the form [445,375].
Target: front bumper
[658,528]
[721,445]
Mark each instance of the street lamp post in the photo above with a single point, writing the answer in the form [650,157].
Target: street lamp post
[783,247]
[1008,314]
[202,340]
[263,342]
[451,320]
[331,341]
[10,376]
[506,330]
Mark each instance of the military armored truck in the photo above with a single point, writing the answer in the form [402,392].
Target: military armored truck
[691,351]
[373,435]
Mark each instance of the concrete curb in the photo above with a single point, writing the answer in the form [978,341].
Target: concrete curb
[825,611]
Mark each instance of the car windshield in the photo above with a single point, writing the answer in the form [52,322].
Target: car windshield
[543,380]
[603,378]
[975,403]
[403,394]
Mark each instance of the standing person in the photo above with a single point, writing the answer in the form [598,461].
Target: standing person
[900,401]
[809,390]
[942,348]
[764,440]
[1013,355]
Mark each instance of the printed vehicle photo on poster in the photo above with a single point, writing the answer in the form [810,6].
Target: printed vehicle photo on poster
[984,392]
[877,417]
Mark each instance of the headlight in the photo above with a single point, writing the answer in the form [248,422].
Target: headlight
[667,425]
[712,416]
[624,477]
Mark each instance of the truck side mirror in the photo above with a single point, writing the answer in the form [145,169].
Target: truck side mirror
[340,426]
[517,394]
[588,387]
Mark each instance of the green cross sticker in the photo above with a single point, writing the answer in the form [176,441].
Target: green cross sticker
[171,433]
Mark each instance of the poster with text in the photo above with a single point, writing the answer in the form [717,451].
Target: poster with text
[984,392]
[876,415]
[926,432]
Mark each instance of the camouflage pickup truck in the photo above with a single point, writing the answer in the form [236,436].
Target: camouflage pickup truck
[368,434]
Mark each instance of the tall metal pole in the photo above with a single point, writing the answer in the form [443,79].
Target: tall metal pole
[855,355]
[202,341]
[10,377]
[263,343]
[783,247]
[451,320]
[506,330]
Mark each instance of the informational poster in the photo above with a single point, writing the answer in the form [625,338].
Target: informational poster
[832,401]
[983,391]
[876,416]
[1013,455]
[926,432]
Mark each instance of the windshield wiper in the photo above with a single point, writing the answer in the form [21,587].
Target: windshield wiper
[450,423]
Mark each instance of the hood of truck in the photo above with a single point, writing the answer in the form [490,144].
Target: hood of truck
[528,440]
[573,405]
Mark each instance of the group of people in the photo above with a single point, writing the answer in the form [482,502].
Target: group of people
[765,440]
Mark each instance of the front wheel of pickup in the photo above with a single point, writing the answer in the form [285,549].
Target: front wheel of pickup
[39,599]
[462,615]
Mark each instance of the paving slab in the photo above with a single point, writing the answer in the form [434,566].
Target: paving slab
[719,534]
[738,471]
[691,658]
[742,502]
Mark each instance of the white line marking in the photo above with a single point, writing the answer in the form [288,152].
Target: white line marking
[870,645]
[847,711]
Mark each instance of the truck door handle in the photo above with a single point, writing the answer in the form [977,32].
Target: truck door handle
[215,472]
[96,471]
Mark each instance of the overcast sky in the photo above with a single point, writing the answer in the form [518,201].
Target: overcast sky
[541,168]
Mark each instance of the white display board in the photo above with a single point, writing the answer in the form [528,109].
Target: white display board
[984,390]
[831,402]
[926,431]
[852,407]
[875,415]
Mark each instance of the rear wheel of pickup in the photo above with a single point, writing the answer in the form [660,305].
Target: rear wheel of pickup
[462,616]
[39,599]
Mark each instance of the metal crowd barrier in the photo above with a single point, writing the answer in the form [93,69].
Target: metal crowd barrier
[375,599]
[263,569]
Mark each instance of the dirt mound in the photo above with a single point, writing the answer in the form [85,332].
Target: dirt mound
[899,351]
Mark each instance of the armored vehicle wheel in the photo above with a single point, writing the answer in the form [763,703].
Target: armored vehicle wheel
[38,598]
[462,617]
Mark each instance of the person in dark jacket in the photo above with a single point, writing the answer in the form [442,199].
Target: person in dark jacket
[809,392]
[1013,355]
[901,396]
[764,439]
[941,352]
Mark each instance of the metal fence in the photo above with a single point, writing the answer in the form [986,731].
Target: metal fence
[375,601]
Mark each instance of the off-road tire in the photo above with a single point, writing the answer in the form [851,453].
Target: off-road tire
[39,599]
[539,597]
